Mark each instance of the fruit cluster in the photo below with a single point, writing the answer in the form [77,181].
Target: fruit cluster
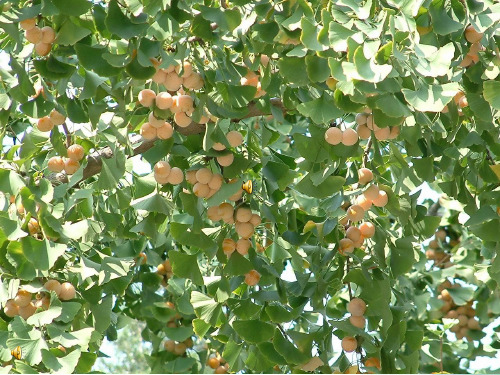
[70,164]
[165,174]
[474,38]
[366,124]
[205,182]
[165,271]
[235,139]
[25,306]
[252,79]
[42,38]
[47,123]
[437,251]
[335,135]
[357,308]
[172,80]
[219,364]
[464,314]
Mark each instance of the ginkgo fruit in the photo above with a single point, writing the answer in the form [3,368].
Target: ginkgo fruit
[154,121]
[355,213]
[22,298]
[363,202]
[381,200]
[71,166]
[242,246]
[349,137]
[234,138]
[33,35]
[53,285]
[245,230]
[363,132]
[27,311]
[28,24]
[213,362]
[180,348]
[216,181]
[204,175]
[45,124]
[193,82]
[373,362]
[67,291]
[226,210]
[164,100]
[346,246]
[159,77]
[42,49]
[186,67]
[358,321]
[225,160]
[349,344]
[353,233]
[333,136]
[213,213]
[243,214]
[191,177]
[185,102]
[356,307]
[217,146]
[383,134]
[367,229]
[33,226]
[48,35]
[162,168]
[365,175]
[201,190]
[148,132]
[371,192]
[166,131]
[472,35]
[76,152]
[255,220]
[11,309]
[252,278]
[181,119]
[55,164]
[228,246]
[56,117]
[147,97]
[169,345]
[172,82]
[176,176]
[360,118]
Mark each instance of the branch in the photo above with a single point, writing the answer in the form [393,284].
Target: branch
[367,152]
[489,157]
[68,134]
[94,160]
[433,210]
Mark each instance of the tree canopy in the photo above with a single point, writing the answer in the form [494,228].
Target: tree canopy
[245,178]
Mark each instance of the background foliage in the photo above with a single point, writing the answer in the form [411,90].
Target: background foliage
[401,59]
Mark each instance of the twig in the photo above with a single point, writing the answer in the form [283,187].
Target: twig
[223,3]
[441,353]
[68,134]
[489,157]
[346,272]
[433,210]
[367,152]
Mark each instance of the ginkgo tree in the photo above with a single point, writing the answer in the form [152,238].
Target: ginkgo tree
[245,177]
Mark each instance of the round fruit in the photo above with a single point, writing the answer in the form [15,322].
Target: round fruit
[191,177]
[45,124]
[331,83]
[180,348]
[371,192]
[216,181]
[155,122]
[71,166]
[67,292]
[349,137]
[358,321]
[220,370]
[33,35]
[473,324]
[373,362]
[185,103]
[228,246]
[181,119]
[472,35]
[147,97]
[243,214]
[255,220]
[217,146]
[381,200]
[462,102]
[213,213]
[43,49]
[234,138]
[201,190]
[159,78]
[242,246]
[48,35]
[27,311]
[370,123]
[365,175]
[33,227]
[57,118]
[355,213]
[55,164]
[76,152]
[367,229]
[204,175]
[394,132]
[333,136]
[11,309]
[363,132]
[365,204]
[226,210]
[147,131]
[28,24]
[172,82]
[349,344]
[440,235]
[361,118]
[42,303]
[53,285]
[169,345]
[356,307]
[213,362]
[22,298]
[166,131]
[245,230]
[346,246]
[353,233]
[176,176]
[225,160]
[164,100]
[252,278]
[383,134]
[186,67]
[193,82]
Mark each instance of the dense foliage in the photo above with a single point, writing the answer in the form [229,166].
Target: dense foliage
[242,176]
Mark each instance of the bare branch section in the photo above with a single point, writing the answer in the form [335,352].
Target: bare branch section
[94,160]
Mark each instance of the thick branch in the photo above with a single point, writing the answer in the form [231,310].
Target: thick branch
[94,160]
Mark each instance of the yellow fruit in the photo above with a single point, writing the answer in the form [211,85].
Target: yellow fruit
[217,146]
[356,307]
[201,190]
[331,83]
[71,166]
[234,138]
[353,233]
[363,132]
[48,35]
[33,35]
[159,77]
[27,311]
[213,213]
[252,278]
[33,227]
[180,348]
[242,246]
[226,211]
[148,132]
[394,132]
[225,160]
[67,291]
[191,177]
[255,220]
[333,136]
[176,176]
[182,119]
[228,246]
[172,82]
[472,35]
[213,362]
[42,49]
[162,168]
[22,298]
[194,81]
[245,230]
[55,164]
[358,321]
[45,124]
[11,309]
[147,97]
[365,204]
[166,131]
[220,370]
[155,122]
[28,24]
[204,175]
[53,285]
[383,134]
[186,67]
[381,200]
[365,175]
[367,229]
[355,213]
[57,118]
[243,214]
[349,344]
[373,362]
[169,345]
[361,118]
[371,192]
[185,103]
[346,246]
[164,100]
[76,152]
[349,137]
[216,181]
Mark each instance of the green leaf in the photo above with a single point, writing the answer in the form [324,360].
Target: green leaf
[278,314]
[288,350]
[402,256]
[206,308]
[442,23]
[431,98]
[491,92]
[112,171]
[317,68]
[327,188]
[66,364]
[433,62]
[185,235]
[121,25]
[91,58]
[31,347]
[321,110]
[338,36]
[253,331]
[237,96]
[294,70]
[487,231]
[43,318]
[185,265]
[11,229]
[461,295]
[200,327]
[237,265]
[72,7]
[309,36]
[224,193]
[102,313]
[365,69]
[152,203]
[70,33]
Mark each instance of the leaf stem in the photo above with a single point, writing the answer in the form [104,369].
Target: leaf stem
[367,152]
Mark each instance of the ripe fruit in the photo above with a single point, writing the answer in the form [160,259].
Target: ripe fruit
[360,118]
[363,132]
[367,229]
[234,138]
[204,175]
[45,124]
[11,309]
[27,311]
[186,67]
[28,24]
[155,122]
[166,131]
[201,190]
[55,164]
[176,176]
[381,200]
[333,136]
[164,100]
[331,83]
[193,82]
[182,119]
[353,233]
[440,235]
[33,227]
[371,192]
[147,97]
[180,348]
[217,146]
[159,77]
[53,285]
[394,132]
[383,134]
[48,35]
[242,246]
[22,298]
[67,291]
[213,213]
[349,137]
[355,213]
[213,362]
[43,49]
[71,166]
[191,177]
[245,230]
[346,246]
[225,160]
[358,321]
[226,211]
[76,152]
[147,131]
[366,204]
[255,220]
[252,278]
[356,307]
[220,370]
[216,181]
[185,103]
[365,175]
[172,82]
[349,344]
[228,246]
[169,345]
[57,118]
[472,35]
[373,362]
[162,168]
[243,214]
[33,35]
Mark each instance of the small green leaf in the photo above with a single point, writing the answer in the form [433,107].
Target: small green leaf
[72,7]
[461,295]
[492,93]
[185,265]
[253,331]
[121,25]
[321,110]
[431,98]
